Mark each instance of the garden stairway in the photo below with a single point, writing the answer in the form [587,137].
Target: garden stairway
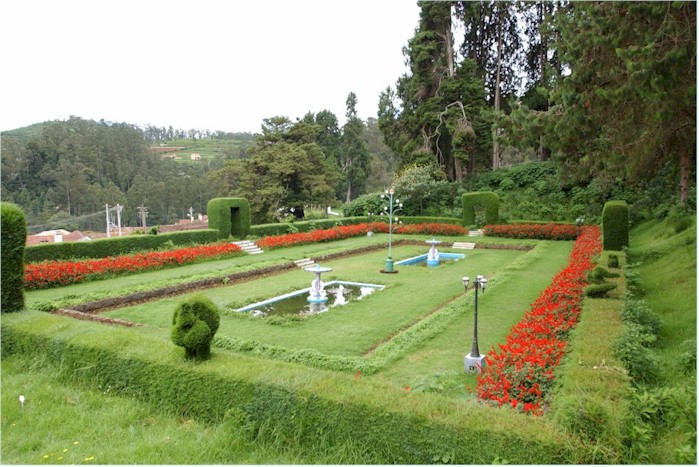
[248,247]
[464,245]
[304,263]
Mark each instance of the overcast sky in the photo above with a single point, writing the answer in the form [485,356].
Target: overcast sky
[203,64]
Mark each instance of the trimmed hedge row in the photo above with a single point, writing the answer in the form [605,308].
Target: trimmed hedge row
[266,230]
[115,246]
[293,404]
[281,228]
[14,233]
[615,225]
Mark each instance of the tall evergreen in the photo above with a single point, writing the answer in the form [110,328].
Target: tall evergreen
[354,154]
[628,106]
[435,116]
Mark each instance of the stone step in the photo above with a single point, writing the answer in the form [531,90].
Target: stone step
[475,233]
[304,263]
[464,245]
[248,247]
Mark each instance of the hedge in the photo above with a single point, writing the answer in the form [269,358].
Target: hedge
[230,216]
[115,246]
[13,225]
[615,225]
[281,228]
[308,408]
[266,230]
[488,199]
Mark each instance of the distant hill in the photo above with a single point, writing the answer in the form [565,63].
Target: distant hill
[24,134]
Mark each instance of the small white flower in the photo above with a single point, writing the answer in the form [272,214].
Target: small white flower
[21,401]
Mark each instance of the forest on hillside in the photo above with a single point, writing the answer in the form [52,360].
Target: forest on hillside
[603,94]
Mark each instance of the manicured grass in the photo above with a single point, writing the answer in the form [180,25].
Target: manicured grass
[350,330]
[165,277]
[438,365]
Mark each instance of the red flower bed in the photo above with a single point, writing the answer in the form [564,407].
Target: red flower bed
[538,231]
[52,273]
[520,372]
[347,231]
[432,229]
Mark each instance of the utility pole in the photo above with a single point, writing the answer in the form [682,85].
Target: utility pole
[119,208]
[143,212]
[106,207]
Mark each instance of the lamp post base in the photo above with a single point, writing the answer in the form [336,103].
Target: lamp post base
[474,364]
[389,265]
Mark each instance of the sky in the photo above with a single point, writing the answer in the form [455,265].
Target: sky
[197,64]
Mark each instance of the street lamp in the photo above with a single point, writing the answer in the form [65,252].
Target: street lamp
[474,361]
[389,210]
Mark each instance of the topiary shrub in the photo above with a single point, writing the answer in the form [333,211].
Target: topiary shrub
[193,326]
[489,200]
[598,290]
[615,225]
[599,274]
[230,216]
[14,235]
[613,261]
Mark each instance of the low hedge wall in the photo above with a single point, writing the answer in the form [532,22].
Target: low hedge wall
[266,230]
[281,228]
[115,246]
[294,404]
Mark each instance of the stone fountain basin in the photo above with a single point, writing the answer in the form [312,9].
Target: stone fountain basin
[423,258]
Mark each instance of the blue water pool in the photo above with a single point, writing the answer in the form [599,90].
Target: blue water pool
[422,259]
[296,302]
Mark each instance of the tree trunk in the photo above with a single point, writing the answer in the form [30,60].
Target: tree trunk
[349,192]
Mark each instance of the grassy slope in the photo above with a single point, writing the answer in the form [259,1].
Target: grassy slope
[669,285]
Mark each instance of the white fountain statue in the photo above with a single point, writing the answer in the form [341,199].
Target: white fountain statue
[317,293]
[433,254]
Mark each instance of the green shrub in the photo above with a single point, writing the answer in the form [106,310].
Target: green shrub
[638,312]
[632,348]
[679,219]
[687,356]
[489,200]
[598,290]
[584,416]
[613,261]
[615,225]
[13,225]
[116,246]
[193,326]
[230,216]
[599,274]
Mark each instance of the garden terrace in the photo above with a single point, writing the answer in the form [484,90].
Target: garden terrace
[385,372]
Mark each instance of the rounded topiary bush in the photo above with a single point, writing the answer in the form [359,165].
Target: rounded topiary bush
[13,226]
[193,326]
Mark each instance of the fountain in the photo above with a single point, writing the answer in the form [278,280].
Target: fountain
[317,293]
[433,254]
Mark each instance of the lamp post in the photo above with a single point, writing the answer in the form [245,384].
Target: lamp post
[389,210]
[474,361]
